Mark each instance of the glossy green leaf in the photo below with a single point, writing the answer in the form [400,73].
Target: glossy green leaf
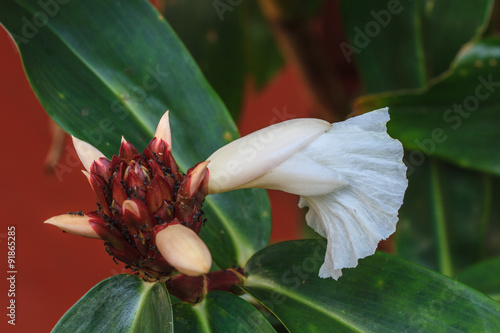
[383,294]
[456,117]
[214,39]
[229,40]
[262,57]
[402,44]
[219,312]
[484,277]
[103,69]
[446,215]
[122,303]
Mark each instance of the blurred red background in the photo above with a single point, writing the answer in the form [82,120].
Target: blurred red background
[54,269]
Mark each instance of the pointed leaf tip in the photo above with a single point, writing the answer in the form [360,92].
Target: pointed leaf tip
[87,153]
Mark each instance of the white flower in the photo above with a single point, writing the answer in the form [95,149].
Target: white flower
[350,174]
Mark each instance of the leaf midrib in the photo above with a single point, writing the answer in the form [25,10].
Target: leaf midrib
[201,313]
[260,282]
[241,256]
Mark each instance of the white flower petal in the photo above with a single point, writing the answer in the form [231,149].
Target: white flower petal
[249,157]
[86,152]
[300,175]
[356,217]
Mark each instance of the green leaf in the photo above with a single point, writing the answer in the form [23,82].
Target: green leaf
[219,312]
[122,303]
[445,218]
[383,294]
[262,57]
[103,69]
[456,118]
[484,277]
[215,44]
[228,40]
[400,44]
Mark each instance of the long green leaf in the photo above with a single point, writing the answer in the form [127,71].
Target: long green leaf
[219,312]
[445,219]
[400,44]
[383,294]
[484,277]
[262,56]
[215,44]
[103,69]
[122,303]
[456,117]
[230,41]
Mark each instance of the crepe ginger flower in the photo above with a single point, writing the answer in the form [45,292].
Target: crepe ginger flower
[350,175]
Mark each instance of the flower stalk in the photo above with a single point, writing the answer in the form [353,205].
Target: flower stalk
[193,289]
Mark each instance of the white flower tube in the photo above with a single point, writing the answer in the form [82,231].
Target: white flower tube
[349,174]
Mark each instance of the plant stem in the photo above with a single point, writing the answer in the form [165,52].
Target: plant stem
[193,289]
[445,263]
[485,216]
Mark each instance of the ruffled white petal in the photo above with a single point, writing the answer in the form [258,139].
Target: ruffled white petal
[354,218]
[249,157]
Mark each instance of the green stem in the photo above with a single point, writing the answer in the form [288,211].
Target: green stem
[485,216]
[445,264]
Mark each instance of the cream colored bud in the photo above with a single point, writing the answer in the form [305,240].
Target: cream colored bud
[163,130]
[74,224]
[183,248]
[86,152]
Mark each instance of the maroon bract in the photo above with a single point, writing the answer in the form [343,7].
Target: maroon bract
[139,196]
